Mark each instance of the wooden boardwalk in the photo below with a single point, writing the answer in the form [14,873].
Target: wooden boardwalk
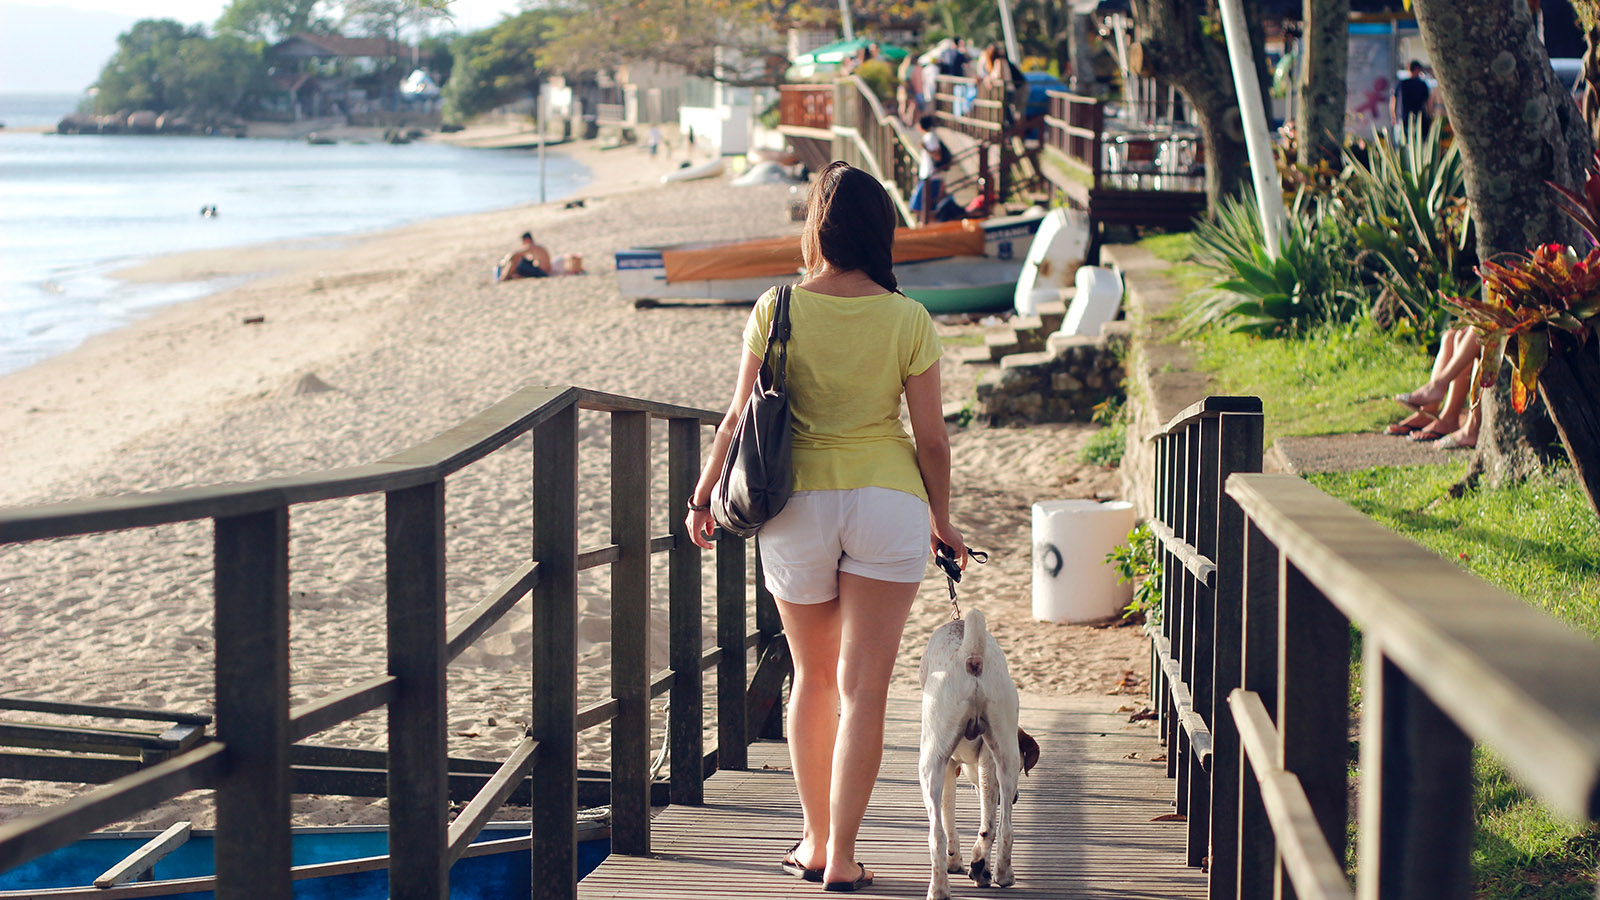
[1083,822]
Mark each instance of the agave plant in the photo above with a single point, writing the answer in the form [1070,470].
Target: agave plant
[1311,280]
[1406,205]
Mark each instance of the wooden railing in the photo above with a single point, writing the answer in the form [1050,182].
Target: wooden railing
[973,107]
[1073,125]
[1254,671]
[248,759]
[806,105]
[869,138]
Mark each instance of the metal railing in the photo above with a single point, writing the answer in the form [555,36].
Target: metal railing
[1147,154]
[1253,676]
[248,758]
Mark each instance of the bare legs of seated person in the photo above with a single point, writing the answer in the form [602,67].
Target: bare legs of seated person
[1439,406]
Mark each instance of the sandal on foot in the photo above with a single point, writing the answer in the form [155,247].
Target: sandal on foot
[1406,401]
[794,868]
[1401,429]
[1451,442]
[1425,436]
[849,886]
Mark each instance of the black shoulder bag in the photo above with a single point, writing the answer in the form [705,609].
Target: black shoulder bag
[757,477]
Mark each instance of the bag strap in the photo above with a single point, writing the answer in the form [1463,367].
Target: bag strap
[779,333]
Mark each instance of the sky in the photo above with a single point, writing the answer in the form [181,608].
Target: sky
[58,46]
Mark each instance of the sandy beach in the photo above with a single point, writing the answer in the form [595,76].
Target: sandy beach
[411,335]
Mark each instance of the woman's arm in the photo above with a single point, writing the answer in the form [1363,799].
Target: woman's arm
[925,402]
[698,521]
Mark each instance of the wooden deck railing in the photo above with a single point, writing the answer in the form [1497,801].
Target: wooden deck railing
[867,137]
[1253,677]
[248,759]
[973,107]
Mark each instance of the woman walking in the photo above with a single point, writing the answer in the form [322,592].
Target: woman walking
[847,553]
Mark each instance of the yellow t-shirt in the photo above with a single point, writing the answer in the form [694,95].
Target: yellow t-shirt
[849,358]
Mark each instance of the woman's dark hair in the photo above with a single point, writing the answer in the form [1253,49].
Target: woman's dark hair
[850,223]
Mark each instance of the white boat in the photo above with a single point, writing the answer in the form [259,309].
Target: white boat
[742,271]
[707,169]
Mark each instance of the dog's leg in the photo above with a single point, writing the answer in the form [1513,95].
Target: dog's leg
[931,772]
[1008,771]
[988,791]
[952,841]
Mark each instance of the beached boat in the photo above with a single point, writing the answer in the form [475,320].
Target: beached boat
[343,862]
[742,271]
[961,285]
[706,169]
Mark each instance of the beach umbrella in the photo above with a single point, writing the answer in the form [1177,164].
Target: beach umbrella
[839,51]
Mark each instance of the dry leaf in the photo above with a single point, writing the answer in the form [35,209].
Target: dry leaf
[1159,758]
[1133,755]
[1143,715]
[466,734]
[1171,817]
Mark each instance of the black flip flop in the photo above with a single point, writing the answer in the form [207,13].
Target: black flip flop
[846,887]
[1424,436]
[794,868]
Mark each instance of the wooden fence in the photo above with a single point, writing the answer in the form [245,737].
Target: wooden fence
[868,138]
[248,758]
[1253,681]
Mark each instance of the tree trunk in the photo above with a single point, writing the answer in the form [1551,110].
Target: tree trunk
[1319,120]
[1570,387]
[1517,128]
[1193,59]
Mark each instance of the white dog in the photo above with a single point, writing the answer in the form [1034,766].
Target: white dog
[969,712]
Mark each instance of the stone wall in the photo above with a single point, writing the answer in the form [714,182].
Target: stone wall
[1061,383]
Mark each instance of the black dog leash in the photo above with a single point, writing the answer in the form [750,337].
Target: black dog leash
[945,557]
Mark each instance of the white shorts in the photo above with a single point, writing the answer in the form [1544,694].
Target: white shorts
[873,532]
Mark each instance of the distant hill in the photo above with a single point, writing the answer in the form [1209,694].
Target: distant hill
[55,49]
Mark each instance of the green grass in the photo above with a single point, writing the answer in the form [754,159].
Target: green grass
[1187,276]
[1538,541]
[1105,447]
[1336,379]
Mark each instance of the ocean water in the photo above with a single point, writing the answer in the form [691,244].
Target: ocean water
[75,208]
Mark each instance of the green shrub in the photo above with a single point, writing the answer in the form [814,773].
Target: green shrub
[1105,447]
[1135,561]
[879,76]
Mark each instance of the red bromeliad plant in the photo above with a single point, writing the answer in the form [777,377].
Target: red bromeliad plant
[1529,301]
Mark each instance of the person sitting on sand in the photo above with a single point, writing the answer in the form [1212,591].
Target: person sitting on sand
[531,260]
[1437,407]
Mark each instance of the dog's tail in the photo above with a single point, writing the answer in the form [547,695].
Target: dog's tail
[973,633]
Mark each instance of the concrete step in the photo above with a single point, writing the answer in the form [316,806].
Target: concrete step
[1000,344]
[972,356]
[1053,313]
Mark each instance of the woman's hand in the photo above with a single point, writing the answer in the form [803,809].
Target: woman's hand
[947,534]
[699,524]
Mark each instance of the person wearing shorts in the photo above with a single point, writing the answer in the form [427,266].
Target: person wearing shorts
[845,556]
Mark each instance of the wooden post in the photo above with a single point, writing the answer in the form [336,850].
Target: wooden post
[1202,649]
[769,625]
[733,737]
[1158,678]
[1183,500]
[1313,703]
[1259,670]
[419,794]
[252,683]
[630,633]
[687,703]
[1240,451]
[555,642]
[1416,793]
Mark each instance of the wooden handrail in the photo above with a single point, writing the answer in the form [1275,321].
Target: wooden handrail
[1515,679]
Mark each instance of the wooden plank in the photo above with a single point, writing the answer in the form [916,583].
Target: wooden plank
[482,807]
[1259,674]
[599,556]
[1313,702]
[663,543]
[84,739]
[555,640]
[773,667]
[1203,638]
[1198,564]
[630,632]
[1512,677]
[340,706]
[686,723]
[1207,406]
[732,714]
[141,860]
[616,403]
[485,432]
[1084,824]
[1416,800]
[418,777]
[1309,861]
[596,713]
[59,767]
[1239,451]
[252,695]
[769,625]
[29,837]
[466,628]
[28,704]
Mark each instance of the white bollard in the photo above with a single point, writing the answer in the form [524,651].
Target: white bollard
[1072,582]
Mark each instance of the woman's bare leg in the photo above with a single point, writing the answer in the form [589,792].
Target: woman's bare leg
[1458,350]
[873,617]
[813,633]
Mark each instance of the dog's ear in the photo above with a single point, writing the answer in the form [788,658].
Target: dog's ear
[1030,750]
